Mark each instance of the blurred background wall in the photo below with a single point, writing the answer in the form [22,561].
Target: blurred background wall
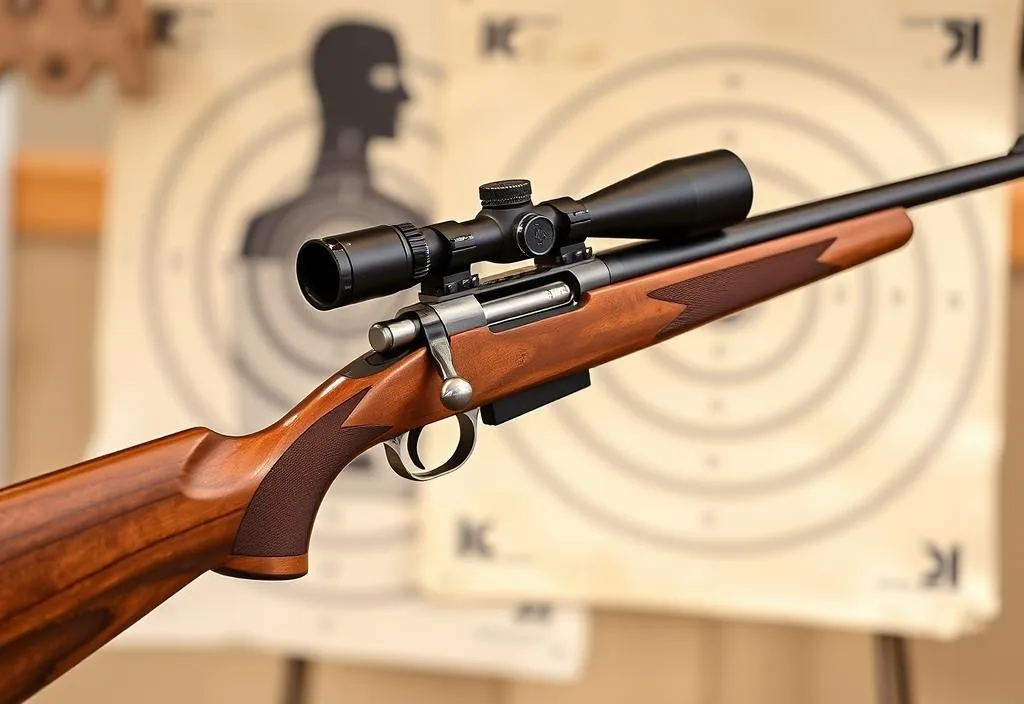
[634,657]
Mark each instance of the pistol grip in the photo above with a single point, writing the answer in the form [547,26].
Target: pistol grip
[272,542]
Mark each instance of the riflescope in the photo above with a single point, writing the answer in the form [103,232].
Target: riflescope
[671,201]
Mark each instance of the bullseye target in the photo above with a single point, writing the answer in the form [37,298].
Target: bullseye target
[226,218]
[196,276]
[833,398]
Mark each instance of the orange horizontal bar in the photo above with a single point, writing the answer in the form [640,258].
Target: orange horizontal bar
[1017,220]
[59,194]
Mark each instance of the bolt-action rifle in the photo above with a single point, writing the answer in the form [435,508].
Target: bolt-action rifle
[88,550]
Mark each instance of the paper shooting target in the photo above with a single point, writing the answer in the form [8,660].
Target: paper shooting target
[277,123]
[707,442]
[254,176]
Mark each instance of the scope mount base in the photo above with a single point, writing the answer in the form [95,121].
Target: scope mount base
[573,253]
[449,283]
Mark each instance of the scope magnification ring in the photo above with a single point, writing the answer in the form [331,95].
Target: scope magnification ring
[418,246]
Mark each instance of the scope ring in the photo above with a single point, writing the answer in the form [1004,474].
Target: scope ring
[402,453]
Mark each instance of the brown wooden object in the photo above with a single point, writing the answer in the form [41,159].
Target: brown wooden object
[61,44]
[87,551]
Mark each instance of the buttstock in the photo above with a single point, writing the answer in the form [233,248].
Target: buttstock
[86,551]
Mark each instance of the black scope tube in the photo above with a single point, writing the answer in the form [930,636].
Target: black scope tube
[636,260]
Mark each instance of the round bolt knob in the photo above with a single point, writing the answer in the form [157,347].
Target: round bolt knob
[456,393]
[381,338]
[510,193]
[392,335]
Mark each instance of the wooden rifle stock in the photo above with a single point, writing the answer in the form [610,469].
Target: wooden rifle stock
[87,551]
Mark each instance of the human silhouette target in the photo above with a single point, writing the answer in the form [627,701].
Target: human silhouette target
[820,393]
[300,149]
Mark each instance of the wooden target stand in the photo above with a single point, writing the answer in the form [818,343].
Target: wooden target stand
[61,44]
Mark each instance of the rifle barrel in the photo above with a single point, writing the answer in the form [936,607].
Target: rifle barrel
[637,260]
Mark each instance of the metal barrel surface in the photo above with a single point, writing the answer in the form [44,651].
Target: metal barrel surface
[636,260]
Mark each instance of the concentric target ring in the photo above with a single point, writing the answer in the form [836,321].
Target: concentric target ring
[919,457]
[801,191]
[190,147]
[335,546]
[820,392]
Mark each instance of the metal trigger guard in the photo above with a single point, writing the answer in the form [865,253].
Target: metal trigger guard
[404,457]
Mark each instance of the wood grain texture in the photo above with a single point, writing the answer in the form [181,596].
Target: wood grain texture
[278,521]
[88,550]
[51,412]
[52,415]
[616,320]
[347,416]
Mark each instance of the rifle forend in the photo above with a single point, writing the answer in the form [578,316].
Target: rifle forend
[88,550]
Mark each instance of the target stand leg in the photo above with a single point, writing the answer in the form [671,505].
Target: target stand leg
[295,680]
[892,672]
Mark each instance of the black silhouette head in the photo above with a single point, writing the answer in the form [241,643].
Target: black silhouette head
[356,70]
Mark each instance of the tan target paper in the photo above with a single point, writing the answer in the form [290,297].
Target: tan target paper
[828,457]
[216,182]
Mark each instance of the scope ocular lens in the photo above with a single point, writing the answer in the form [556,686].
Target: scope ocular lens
[346,269]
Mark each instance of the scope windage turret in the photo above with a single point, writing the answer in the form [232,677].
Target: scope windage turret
[674,200]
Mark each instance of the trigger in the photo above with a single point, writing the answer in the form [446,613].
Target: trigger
[403,454]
